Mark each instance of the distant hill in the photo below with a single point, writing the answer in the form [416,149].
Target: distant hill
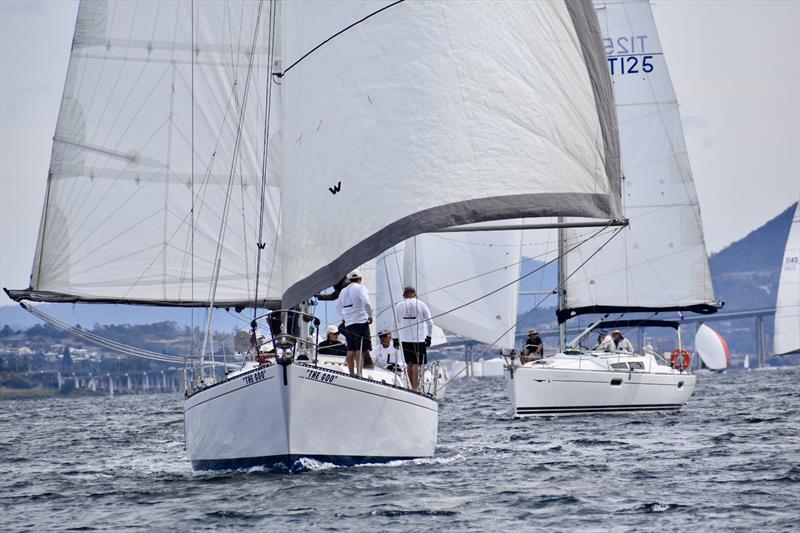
[746,273]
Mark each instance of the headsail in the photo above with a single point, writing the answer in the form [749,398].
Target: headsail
[146,82]
[434,114]
[453,270]
[659,262]
[787,307]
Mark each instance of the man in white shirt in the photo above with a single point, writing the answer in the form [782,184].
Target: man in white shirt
[386,355]
[415,327]
[354,307]
[617,343]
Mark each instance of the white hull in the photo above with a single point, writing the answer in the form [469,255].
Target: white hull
[276,415]
[567,385]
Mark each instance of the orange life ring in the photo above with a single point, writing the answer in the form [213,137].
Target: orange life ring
[687,359]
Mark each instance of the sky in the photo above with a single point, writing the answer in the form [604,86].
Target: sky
[735,65]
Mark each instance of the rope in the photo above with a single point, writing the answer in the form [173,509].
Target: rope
[338,33]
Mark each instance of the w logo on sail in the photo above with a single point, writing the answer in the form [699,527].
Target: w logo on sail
[336,188]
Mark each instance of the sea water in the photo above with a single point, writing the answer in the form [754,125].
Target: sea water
[730,459]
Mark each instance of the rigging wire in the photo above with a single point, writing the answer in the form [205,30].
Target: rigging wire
[326,41]
[532,309]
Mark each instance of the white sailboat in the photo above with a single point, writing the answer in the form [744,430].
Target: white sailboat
[242,153]
[787,307]
[658,263]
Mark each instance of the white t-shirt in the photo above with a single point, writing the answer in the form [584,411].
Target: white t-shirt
[353,304]
[414,320]
[383,356]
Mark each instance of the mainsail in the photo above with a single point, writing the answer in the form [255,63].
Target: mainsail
[388,119]
[659,262]
[787,307]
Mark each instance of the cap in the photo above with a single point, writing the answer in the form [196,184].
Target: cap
[383,332]
[533,331]
[409,288]
[355,274]
[616,331]
[333,329]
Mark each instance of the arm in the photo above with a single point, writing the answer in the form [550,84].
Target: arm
[426,317]
[365,297]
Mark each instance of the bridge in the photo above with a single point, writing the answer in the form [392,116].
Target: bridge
[149,382]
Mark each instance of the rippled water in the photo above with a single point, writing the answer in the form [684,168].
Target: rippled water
[731,459]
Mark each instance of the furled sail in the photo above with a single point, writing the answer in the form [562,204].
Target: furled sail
[470,279]
[434,114]
[659,262]
[131,214]
[787,307]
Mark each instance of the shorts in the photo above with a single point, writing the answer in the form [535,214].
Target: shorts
[415,353]
[358,337]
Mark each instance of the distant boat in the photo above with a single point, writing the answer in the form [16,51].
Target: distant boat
[712,348]
[746,363]
[787,307]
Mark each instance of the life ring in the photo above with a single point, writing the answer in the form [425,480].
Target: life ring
[687,359]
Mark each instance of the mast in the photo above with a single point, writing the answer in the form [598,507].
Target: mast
[562,278]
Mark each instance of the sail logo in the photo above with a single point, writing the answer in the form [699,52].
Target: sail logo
[628,55]
[336,188]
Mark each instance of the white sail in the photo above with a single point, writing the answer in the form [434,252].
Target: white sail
[787,307]
[712,348]
[388,119]
[660,260]
[434,114]
[454,272]
[131,214]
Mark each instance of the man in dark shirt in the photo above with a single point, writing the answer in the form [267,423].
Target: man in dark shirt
[332,345]
[534,347]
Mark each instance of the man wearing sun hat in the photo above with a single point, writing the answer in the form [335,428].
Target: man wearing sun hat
[332,345]
[354,307]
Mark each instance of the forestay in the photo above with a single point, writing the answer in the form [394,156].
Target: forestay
[787,308]
[659,261]
[146,82]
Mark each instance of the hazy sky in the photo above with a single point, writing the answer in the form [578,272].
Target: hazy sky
[735,65]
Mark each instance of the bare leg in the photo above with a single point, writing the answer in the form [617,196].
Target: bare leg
[413,373]
[359,362]
[351,363]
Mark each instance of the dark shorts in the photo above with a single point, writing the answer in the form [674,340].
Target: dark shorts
[415,353]
[358,337]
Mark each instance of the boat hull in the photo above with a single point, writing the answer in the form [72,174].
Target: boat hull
[541,391]
[278,414]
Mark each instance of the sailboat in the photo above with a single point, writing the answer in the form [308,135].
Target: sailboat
[657,264]
[787,307]
[712,349]
[248,154]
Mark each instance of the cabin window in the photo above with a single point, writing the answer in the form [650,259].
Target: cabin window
[636,365]
[619,366]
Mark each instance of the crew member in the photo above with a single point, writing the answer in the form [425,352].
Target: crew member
[386,355]
[415,333]
[354,307]
[332,345]
[617,343]
[534,347]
